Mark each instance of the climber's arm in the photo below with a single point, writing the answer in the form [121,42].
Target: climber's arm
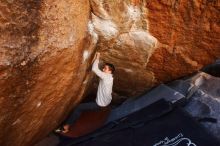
[95,67]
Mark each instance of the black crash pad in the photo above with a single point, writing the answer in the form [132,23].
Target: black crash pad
[156,125]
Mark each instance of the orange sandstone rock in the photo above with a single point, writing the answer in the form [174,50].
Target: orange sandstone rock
[188,32]
[46,51]
[156,41]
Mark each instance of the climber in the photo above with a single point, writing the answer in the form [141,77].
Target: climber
[104,93]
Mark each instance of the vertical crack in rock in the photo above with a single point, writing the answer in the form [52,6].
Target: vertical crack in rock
[92,32]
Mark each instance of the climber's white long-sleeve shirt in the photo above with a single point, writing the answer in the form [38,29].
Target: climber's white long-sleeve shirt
[104,93]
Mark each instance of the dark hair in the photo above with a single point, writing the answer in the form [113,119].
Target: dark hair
[111,67]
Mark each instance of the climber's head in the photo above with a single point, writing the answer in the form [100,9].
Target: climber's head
[108,68]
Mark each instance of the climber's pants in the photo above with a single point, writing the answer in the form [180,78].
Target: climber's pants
[79,109]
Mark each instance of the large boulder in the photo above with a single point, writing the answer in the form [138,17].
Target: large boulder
[46,50]
[47,46]
[155,41]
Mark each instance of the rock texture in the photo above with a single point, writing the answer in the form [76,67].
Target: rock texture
[188,32]
[156,41]
[125,40]
[47,46]
[45,51]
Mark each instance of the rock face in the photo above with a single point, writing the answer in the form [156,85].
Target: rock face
[47,49]
[188,32]
[125,40]
[156,41]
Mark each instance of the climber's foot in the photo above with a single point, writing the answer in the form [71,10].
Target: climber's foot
[63,129]
[66,128]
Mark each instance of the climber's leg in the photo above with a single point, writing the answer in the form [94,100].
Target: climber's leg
[79,109]
[77,112]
